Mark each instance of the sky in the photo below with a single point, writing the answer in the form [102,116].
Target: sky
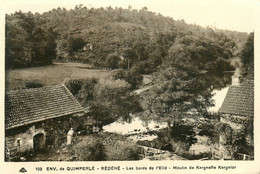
[238,15]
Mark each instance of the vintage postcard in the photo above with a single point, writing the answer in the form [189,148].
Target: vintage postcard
[134,86]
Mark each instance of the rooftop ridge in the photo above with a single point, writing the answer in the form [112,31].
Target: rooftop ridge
[28,106]
[32,89]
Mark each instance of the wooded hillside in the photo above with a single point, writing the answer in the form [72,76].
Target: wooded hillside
[138,37]
[187,61]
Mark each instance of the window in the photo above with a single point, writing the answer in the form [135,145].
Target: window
[18,142]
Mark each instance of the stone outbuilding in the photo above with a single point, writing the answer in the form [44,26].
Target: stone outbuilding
[237,111]
[38,118]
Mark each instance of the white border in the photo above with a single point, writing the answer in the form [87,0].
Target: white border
[249,167]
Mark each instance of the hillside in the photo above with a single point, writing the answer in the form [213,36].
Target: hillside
[186,61]
[90,35]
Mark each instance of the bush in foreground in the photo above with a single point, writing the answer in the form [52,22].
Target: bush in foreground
[121,151]
[90,149]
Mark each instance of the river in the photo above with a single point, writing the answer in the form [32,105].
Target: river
[136,130]
[218,99]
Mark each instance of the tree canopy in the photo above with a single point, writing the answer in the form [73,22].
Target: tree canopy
[186,61]
[187,76]
[247,56]
[89,35]
[105,102]
[28,42]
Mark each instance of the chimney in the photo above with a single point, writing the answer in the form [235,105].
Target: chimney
[235,81]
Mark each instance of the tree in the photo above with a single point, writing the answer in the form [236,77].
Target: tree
[50,51]
[106,103]
[74,86]
[187,77]
[178,89]
[132,76]
[18,40]
[112,103]
[139,36]
[112,61]
[247,56]
[75,44]
[82,89]
[27,43]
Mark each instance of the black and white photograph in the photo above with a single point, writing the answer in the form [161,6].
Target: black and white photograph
[88,81]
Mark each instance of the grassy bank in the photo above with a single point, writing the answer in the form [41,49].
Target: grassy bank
[52,74]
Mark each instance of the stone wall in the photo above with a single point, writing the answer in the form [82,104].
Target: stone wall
[21,142]
[241,127]
[234,120]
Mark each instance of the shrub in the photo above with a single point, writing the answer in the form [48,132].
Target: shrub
[122,150]
[130,76]
[112,61]
[32,84]
[82,89]
[90,149]
[144,67]
[122,64]
[207,130]
[226,131]
[74,86]
[180,146]
[183,133]
[74,44]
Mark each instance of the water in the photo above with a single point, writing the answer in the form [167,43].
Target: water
[201,146]
[136,130]
[218,98]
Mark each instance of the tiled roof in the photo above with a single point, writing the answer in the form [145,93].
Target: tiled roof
[240,99]
[37,104]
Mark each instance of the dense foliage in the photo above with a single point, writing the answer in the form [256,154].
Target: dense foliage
[104,102]
[90,149]
[32,84]
[105,147]
[193,68]
[133,77]
[28,41]
[82,89]
[86,35]
[247,56]
[186,61]
[112,61]
[122,151]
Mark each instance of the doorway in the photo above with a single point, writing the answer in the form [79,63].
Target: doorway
[38,142]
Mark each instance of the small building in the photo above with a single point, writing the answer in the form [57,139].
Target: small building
[38,117]
[237,109]
[88,47]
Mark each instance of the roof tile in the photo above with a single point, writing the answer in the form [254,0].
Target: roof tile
[37,104]
[240,99]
